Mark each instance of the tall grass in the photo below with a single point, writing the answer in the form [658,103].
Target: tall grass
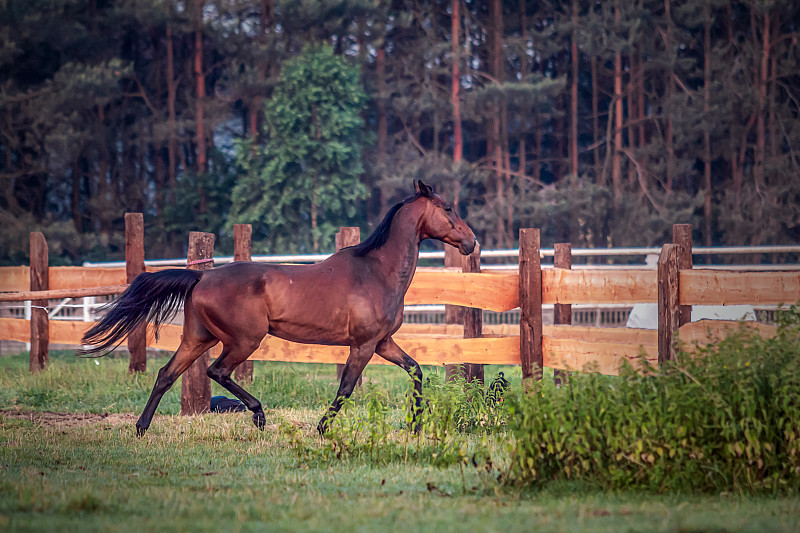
[726,420]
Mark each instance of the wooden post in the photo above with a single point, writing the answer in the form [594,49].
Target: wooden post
[195,384]
[530,303]
[682,236]
[40,322]
[242,251]
[473,317]
[453,314]
[347,236]
[562,313]
[668,308]
[134,265]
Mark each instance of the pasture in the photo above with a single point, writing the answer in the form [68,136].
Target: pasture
[71,461]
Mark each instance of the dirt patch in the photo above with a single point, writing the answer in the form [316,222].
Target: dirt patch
[49,418]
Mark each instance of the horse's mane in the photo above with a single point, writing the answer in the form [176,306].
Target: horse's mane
[381,234]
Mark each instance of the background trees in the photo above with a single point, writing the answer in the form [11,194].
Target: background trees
[305,177]
[600,121]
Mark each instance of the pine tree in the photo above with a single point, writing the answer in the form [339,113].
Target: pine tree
[304,182]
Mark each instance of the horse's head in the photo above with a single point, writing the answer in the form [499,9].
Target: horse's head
[441,222]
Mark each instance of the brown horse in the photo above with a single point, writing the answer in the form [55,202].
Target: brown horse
[354,298]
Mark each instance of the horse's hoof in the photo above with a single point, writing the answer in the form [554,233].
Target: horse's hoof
[322,427]
[259,420]
[140,431]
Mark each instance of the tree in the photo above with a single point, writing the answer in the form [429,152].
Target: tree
[304,181]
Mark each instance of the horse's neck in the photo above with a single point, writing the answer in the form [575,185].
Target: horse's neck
[399,255]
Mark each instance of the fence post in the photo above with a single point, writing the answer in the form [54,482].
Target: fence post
[347,236]
[242,251]
[682,236]
[195,384]
[562,313]
[453,314]
[470,317]
[134,265]
[40,323]
[668,308]
[473,317]
[530,303]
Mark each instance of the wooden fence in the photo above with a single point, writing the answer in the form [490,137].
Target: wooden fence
[674,286]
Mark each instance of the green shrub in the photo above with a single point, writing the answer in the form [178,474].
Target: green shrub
[726,420]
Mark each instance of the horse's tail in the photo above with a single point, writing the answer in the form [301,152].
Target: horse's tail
[153,296]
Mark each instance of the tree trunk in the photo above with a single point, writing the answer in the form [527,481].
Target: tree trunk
[538,136]
[633,74]
[599,177]
[383,134]
[496,62]
[524,69]
[172,144]
[102,205]
[455,84]
[668,95]
[573,125]
[201,87]
[508,241]
[616,159]
[706,124]
[77,220]
[763,81]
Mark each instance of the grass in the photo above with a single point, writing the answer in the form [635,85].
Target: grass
[216,472]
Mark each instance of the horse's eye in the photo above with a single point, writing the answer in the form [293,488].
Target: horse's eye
[447,208]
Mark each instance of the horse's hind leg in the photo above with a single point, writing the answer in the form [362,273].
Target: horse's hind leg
[189,350]
[389,350]
[220,371]
[356,361]
[196,339]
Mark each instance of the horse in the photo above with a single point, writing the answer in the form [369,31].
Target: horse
[353,298]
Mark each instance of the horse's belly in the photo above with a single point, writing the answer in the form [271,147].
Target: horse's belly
[308,334]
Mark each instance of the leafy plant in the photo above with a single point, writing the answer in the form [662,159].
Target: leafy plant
[724,419]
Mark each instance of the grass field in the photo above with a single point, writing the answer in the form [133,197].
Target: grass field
[70,461]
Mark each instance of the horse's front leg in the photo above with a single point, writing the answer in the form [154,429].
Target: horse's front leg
[389,350]
[356,361]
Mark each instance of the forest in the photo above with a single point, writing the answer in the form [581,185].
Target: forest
[602,122]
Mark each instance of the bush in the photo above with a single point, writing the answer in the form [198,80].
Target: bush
[726,420]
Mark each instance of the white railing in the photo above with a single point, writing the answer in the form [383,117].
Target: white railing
[509,253]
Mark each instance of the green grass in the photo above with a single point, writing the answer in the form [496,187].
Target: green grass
[218,473]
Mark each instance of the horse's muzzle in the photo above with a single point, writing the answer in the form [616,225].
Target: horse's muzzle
[467,248]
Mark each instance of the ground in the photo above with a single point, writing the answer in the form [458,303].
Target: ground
[70,460]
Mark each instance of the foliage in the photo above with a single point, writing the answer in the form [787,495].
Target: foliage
[202,202]
[305,180]
[99,115]
[584,214]
[726,420]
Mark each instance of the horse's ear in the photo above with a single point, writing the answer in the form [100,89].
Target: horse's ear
[423,189]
